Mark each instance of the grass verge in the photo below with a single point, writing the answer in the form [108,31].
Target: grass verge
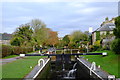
[109,63]
[19,68]
[12,56]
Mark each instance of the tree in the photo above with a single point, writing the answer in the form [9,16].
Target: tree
[36,24]
[66,40]
[116,30]
[40,32]
[52,38]
[22,35]
[17,41]
[77,36]
[106,19]
[115,46]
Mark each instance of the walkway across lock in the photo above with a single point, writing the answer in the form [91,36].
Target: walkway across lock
[63,56]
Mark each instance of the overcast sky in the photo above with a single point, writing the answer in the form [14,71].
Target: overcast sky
[64,17]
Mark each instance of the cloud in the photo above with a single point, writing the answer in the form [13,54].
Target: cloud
[60,0]
[9,29]
[18,19]
[63,17]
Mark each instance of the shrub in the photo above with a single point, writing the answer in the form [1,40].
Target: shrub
[115,46]
[106,47]
[14,50]
[91,47]
[6,50]
[17,50]
[22,50]
[95,47]
[29,49]
[82,50]
[72,45]
[97,43]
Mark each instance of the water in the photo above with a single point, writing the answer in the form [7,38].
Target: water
[74,65]
[63,67]
[71,73]
[67,71]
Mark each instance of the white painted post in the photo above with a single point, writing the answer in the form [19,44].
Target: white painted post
[78,51]
[104,53]
[39,51]
[87,47]
[22,55]
[98,66]
[55,51]
[71,51]
[111,77]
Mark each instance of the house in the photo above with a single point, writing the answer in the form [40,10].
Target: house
[6,42]
[5,38]
[104,32]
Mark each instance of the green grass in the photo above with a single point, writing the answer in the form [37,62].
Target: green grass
[19,68]
[108,63]
[11,56]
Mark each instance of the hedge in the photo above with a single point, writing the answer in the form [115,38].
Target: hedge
[14,50]
[6,50]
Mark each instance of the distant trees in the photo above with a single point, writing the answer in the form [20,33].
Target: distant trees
[66,40]
[5,36]
[77,36]
[74,39]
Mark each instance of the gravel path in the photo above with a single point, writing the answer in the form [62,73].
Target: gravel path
[5,61]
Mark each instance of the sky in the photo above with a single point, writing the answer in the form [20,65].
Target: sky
[63,17]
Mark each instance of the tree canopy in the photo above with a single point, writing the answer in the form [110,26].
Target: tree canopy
[77,36]
[66,40]
[117,27]
[34,34]
[22,35]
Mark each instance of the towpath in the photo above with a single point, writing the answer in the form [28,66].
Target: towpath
[5,61]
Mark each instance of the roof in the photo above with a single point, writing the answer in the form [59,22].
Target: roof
[106,27]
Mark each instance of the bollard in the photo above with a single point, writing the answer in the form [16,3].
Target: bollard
[39,51]
[78,51]
[31,67]
[98,66]
[104,54]
[111,77]
[22,55]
